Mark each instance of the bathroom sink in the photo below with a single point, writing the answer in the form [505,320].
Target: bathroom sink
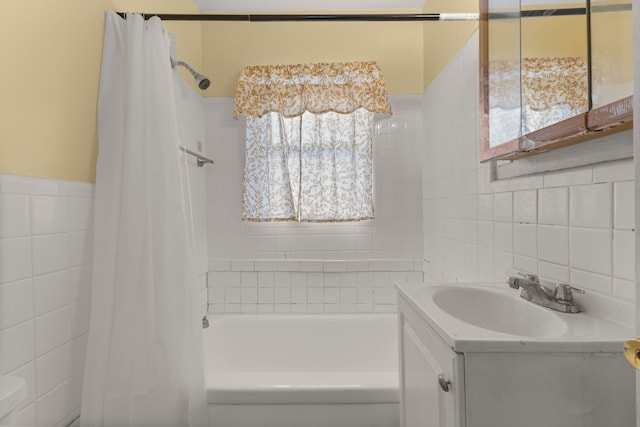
[491,317]
[500,312]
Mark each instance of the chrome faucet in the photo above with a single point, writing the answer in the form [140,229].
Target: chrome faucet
[559,299]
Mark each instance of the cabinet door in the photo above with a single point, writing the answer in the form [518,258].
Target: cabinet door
[425,403]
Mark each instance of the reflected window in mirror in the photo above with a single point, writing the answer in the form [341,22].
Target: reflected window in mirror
[536,80]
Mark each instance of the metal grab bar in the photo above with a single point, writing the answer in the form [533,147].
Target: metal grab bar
[202,160]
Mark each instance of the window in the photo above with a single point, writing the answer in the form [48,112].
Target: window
[309,139]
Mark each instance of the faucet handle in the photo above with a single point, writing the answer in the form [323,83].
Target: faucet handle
[529,276]
[564,292]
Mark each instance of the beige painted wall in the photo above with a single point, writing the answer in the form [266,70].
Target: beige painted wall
[49,81]
[396,46]
[52,50]
[443,40]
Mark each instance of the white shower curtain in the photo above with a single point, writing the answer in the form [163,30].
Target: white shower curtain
[144,358]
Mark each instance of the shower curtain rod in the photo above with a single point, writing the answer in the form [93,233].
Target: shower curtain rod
[359,17]
[311,17]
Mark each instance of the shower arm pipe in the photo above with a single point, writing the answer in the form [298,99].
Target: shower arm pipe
[202,160]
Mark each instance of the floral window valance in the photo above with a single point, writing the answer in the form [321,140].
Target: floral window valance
[292,90]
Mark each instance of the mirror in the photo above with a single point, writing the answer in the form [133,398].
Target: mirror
[538,90]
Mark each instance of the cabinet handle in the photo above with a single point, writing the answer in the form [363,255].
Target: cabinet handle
[444,383]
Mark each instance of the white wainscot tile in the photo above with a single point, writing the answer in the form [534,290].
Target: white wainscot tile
[485,207]
[624,289]
[525,206]
[52,291]
[553,206]
[14,215]
[624,205]
[80,214]
[282,296]
[331,295]
[624,255]
[17,347]
[578,176]
[16,303]
[249,295]
[50,253]
[27,416]
[15,259]
[53,368]
[503,262]
[587,280]
[232,295]
[365,296]
[315,295]
[553,244]
[52,330]
[348,296]
[591,250]
[55,405]
[526,240]
[242,265]
[249,279]
[28,372]
[485,234]
[503,207]
[15,184]
[554,272]
[80,317]
[485,261]
[265,295]
[80,282]
[621,170]
[503,236]
[266,279]
[591,206]
[49,215]
[80,248]
[525,264]
[298,295]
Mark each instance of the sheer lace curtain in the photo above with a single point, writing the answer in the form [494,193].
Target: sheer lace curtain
[309,150]
[144,357]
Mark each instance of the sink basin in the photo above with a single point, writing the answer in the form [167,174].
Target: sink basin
[491,317]
[497,311]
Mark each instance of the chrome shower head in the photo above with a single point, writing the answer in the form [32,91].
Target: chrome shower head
[203,81]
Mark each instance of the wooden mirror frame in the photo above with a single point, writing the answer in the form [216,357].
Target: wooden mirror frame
[611,118]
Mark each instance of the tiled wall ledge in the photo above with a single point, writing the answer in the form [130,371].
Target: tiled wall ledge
[307,286]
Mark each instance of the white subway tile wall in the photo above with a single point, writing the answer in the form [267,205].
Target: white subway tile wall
[327,291]
[574,225]
[45,289]
[303,268]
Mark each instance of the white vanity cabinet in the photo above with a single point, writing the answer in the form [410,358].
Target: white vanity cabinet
[431,377]
[456,377]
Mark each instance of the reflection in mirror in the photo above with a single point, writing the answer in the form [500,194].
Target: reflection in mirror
[504,71]
[554,64]
[537,67]
[553,74]
[611,51]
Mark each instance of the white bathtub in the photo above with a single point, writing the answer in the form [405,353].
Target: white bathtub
[302,370]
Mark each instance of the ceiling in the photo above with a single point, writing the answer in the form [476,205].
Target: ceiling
[304,5]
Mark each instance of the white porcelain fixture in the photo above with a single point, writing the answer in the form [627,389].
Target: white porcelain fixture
[13,390]
[497,311]
[294,370]
[477,355]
